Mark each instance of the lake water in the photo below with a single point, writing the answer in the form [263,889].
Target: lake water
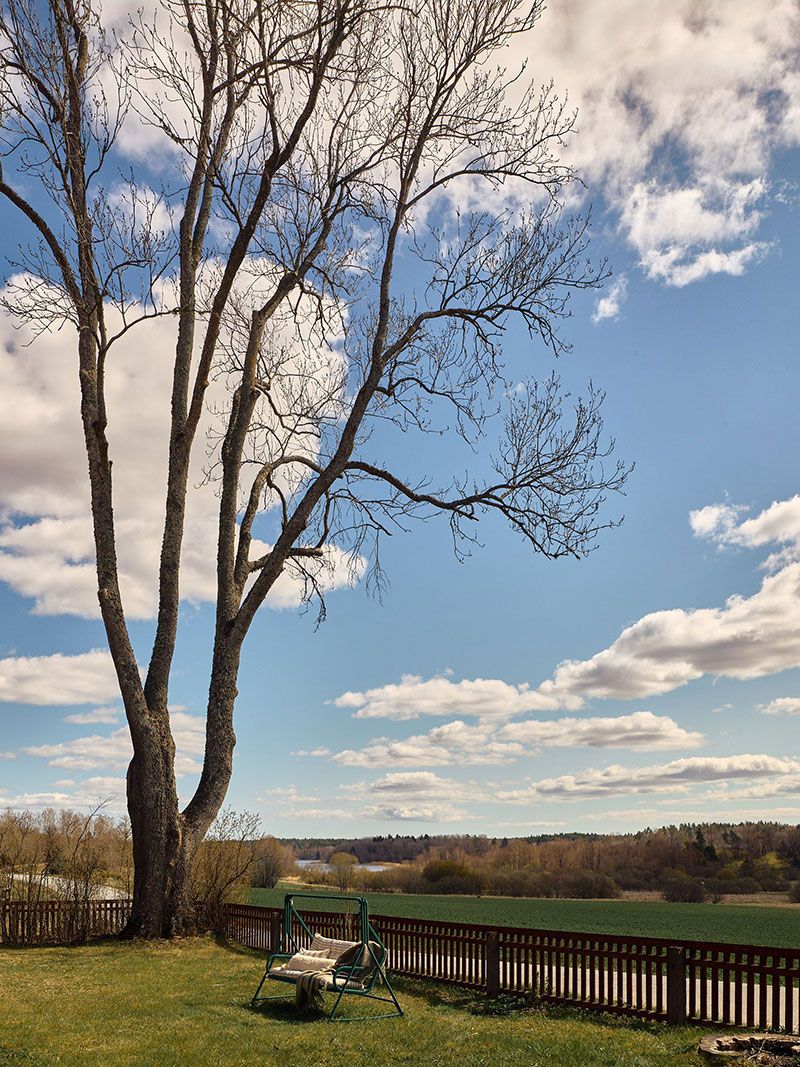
[357,866]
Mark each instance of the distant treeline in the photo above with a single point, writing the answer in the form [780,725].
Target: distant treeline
[65,854]
[693,861]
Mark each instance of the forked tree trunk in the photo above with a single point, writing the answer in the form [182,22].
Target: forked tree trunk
[166,840]
[162,898]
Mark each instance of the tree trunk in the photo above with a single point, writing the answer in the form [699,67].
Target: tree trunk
[162,897]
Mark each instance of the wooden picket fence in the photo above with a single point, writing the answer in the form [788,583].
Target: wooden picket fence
[60,922]
[651,978]
[645,977]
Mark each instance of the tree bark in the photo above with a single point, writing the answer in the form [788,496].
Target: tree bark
[157,835]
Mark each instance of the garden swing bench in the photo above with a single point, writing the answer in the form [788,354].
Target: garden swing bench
[319,964]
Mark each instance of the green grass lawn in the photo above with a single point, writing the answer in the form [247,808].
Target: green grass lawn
[188,1003]
[731,923]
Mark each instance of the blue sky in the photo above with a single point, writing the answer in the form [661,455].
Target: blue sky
[654,682]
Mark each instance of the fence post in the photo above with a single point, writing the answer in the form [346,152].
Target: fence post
[275,933]
[676,986]
[491,962]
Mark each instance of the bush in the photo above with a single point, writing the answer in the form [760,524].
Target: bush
[794,893]
[741,885]
[636,878]
[681,888]
[450,876]
[221,871]
[520,883]
[587,885]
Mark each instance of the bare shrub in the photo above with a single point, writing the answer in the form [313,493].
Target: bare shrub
[221,872]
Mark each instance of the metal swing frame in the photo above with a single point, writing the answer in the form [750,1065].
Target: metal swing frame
[340,976]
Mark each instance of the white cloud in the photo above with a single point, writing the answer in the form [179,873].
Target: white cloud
[87,678]
[287,795]
[46,545]
[714,521]
[673,266]
[114,750]
[681,109]
[682,105]
[459,743]
[777,524]
[748,638]
[675,777]
[485,698]
[641,730]
[610,305]
[413,796]
[82,796]
[662,815]
[106,715]
[87,753]
[781,706]
[452,743]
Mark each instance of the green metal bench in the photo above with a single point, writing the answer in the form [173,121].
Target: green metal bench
[361,969]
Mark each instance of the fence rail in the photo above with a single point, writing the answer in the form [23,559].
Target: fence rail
[653,978]
[58,922]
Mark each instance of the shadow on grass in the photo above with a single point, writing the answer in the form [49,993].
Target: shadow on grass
[62,946]
[284,1011]
[236,948]
[473,1003]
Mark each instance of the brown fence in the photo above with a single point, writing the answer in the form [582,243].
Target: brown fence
[59,922]
[653,978]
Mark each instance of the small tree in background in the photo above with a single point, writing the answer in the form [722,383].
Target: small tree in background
[343,866]
[272,861]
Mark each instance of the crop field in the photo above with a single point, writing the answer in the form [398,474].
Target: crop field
[730,923]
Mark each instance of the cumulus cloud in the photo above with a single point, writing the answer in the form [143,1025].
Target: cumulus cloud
[610,305]
[641,730]
[781,706]
[287,795]
[715,521]
[453,743]
[748,638]
[107,790]
[682,106]
[681,109]
[674,777]
[778,524]
[413,796]
[87,678]
[46,544]
[462,744]
[114,750]
[485,698]
[106,715]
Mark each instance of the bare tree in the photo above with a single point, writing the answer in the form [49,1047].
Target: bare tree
[342,864]
[318,267]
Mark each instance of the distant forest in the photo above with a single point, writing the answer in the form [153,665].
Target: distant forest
[692,861]
[67,854]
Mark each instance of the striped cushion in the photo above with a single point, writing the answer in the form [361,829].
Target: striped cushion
[332,948]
